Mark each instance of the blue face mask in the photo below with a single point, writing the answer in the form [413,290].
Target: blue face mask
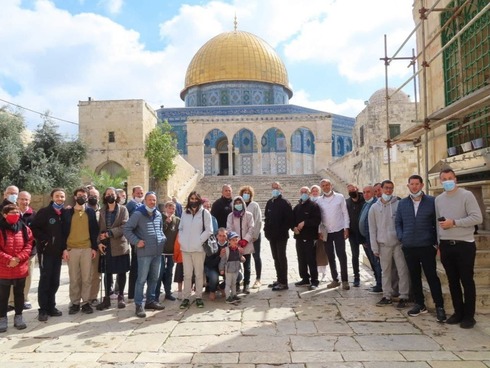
[239,206]
[12,198]
[386,197]
[276,193]
[448,185]
[57,206]
[246,197]
[304,196]
[369,200]
[150,209]
[314,198]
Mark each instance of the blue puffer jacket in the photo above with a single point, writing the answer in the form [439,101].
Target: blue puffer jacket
[416,231]
[142,226]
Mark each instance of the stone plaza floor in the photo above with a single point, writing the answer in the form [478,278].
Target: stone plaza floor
[295,328]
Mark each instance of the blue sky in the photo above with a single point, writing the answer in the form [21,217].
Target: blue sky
[58,52]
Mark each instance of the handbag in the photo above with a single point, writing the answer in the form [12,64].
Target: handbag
[210,246]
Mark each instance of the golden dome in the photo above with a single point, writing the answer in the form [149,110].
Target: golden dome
[236,56]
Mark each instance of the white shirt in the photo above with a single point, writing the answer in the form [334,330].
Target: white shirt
[334,212]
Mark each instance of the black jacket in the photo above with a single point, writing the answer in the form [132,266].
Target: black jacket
[278,218]
[309,212]
[48,232]
[354,210]
[221,209]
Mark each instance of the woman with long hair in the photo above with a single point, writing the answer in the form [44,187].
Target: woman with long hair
[194,229]
[113,246]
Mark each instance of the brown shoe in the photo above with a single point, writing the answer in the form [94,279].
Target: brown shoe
[120,302]
[345,285]
[333,284]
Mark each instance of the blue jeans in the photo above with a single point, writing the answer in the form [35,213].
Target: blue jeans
[212,276]
[165,276]
[148,271]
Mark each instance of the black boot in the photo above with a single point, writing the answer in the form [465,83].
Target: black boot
[106,303]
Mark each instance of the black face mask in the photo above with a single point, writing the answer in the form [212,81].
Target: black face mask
[109,199]
[81,200]
[353,194]
[92,201]
[194,204]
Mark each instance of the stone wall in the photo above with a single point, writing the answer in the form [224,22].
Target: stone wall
[130,122]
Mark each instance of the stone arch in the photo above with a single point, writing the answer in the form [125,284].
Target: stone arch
[112,167]
[274,152]
[244,152]
[216,153]
[302,151]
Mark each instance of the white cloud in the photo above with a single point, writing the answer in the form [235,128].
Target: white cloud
[55,59]
[112,6]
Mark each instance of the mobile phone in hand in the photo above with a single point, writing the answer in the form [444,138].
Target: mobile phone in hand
[441,219]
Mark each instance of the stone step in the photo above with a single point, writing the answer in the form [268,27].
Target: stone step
[482,298]
[482,240]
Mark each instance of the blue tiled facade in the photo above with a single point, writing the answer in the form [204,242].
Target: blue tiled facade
[302,141]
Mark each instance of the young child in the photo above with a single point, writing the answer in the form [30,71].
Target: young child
[230,265]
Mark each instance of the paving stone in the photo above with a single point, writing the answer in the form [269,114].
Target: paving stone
[429,355]
[397,342]
[397,365]
[372,356]
[267,357]
[313,343]
[315,356]
[215,358]
[164,357]
[90,357]
[269,314]
[446,364]
[205,328]
[363,328]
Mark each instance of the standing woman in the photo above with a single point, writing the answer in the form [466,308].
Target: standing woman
[15,249]
[113,247]
[241,222]
[247,193]
[321,255]
[194,229]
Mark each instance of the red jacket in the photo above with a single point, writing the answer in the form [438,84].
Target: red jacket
[15,246]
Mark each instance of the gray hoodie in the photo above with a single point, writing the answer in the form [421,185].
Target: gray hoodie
[381,220]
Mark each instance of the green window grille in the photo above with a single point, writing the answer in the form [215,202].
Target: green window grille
[466,64]
[394,130]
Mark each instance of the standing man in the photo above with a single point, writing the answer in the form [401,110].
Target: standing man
[335,219]
[178,207]
[48,232]
[222,207]
[386,246]
[121,196]
[369,200]
[416,229]
[81,230]
[306,219]
[278,220]
[378,192]
[145,230]
[458,212]
[26,216]
[135,202]
[93,203]
[354,206]
[10,196]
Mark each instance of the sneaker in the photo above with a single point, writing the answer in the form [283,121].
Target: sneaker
[154,306]
[199,303]
[440,314]
[275,283]
[3,324]
[402,303]
[229,300]
[454,319]
[333,284]
[375,290]
[87,309]
[384,302]
[140,311]
[416,310]
[105,304]
[280,287]
[42,317]
[467,323]
[185,304]
[246,289]
[55,312]
[302,283]
[312,287]
[169,297]
[357,282]
[345,285]
[19,322]
[27,305]
[256,284]
[74,309]
[236,298]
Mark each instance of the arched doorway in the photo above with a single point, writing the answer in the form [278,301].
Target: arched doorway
[274,152]
[244,150]
[302,151]
[216,156]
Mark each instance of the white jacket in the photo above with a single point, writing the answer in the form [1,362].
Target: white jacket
[191,234]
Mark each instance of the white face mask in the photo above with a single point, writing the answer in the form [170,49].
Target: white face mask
[138,199]
[416,195]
